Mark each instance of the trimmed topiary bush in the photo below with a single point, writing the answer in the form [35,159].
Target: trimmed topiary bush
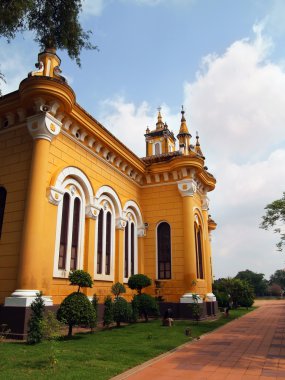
[117,289]
[108,317]
[122,311]
[138,282]
[76,309]
[35,334]
[146,305]
[80,278]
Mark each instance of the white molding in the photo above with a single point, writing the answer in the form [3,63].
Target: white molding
[95,154]
[188,298]
[54,195]
[43,126]
[63,273]
[187,187]
[133,221]
[107,190]
[24,298]
[105,203]
[73,171]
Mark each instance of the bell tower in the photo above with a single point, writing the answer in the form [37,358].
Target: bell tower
[160,140]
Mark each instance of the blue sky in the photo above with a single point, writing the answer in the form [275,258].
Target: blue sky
[225,61]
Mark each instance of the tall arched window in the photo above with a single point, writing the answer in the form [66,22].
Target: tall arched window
[199,253]
[163,251]
[130,261]
[157,148]
[71,221]
[105,240]
[3,194]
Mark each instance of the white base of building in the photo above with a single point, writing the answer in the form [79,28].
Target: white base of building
[188,298]
[24,298]
[210,297]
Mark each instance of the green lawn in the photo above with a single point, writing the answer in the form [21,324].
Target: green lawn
[100,355]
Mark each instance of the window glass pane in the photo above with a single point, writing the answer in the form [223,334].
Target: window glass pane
[157,148]
[126,271]
[3,194]
[200,255]
[64,232]
[75,234]
[132,249]
[108,242]
[164,250]
[100,242]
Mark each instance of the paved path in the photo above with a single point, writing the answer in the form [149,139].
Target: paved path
[252,347]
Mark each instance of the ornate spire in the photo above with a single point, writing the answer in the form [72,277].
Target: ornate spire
[159,124]
[183,127]
[197,146]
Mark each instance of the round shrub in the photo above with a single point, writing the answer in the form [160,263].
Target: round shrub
[146,305]
[138,282]
[121,311]
[80,278]
[117,289]
[76,309]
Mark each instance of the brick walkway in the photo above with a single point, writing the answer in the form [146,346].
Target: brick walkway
[252,347]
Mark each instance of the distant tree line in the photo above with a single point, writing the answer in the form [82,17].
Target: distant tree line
[246,285]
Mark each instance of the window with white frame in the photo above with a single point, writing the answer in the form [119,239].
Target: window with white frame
[3,194]
[163,251]
[130,247]
[105,241]
[70,230]
[199,252]
[157,148]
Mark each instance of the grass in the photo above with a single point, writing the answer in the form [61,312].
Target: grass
[100,355]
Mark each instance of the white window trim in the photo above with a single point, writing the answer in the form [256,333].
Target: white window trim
[103,276]
[156,250]
[153,147]
[63,273]
[135,222]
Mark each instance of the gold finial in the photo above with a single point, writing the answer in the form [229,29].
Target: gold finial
[183,126]
[159,124]
[197,146]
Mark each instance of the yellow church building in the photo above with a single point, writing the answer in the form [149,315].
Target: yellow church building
[72,196]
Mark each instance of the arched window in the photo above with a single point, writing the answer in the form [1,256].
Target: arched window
[163,251]
[199,252]
[71,221]
[3,194]
[157,148]
[130,261]
[105,240]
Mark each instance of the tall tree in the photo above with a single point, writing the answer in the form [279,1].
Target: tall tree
[278,277]
[55,24]
[256,280]
[275,217]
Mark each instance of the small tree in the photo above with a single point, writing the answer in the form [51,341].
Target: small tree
[76,309]
[108,317]
[138,282]
[196,311]
[35,334]
[146,305]
[275,290]
[121,311]
[95,302]
[118,289]
[80,278]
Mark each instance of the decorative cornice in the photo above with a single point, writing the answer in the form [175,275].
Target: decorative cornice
[187,187]
[43,126]
[54,195]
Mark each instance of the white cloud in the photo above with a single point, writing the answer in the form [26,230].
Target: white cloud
[93,7]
